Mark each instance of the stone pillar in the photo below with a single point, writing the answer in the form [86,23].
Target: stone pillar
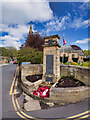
[51,60]
[80,60]
[70,57]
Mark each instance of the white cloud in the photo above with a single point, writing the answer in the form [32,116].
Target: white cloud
[20,12]
[86,40]
[78,23]
[84,6]
[14,34]
[10,41]
[58,24]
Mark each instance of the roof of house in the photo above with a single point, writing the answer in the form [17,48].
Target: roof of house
[72,49]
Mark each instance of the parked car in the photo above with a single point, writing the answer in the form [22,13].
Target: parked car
[15,62]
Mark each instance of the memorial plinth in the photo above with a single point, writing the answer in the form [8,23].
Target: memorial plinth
[51,60]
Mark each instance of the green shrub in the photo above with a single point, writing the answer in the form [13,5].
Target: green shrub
[78,64]
[27,54]
[2,58]
[86,64]
[67,63]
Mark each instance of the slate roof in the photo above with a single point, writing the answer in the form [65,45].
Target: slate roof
[72,49]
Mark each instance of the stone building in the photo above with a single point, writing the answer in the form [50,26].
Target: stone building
[72,53]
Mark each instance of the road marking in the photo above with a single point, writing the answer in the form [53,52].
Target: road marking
[85,116]
[23,115]
[14,103]
[79,114]
[15,91]
[12,84]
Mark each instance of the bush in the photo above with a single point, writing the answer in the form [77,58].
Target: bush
[78,64]
[73,63]
[67,63]
[27,54]
[2,58]
[86,64]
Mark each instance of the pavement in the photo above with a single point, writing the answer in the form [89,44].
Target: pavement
[11,105]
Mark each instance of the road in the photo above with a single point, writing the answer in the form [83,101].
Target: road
[8,110]
[8,72]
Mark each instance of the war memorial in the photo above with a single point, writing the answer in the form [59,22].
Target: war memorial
[52,72]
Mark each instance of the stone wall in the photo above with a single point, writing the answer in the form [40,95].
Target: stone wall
[30,70]
[69,95]
[80,73]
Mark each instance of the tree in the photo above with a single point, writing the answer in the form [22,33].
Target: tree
[28,54]
[35,40]
[12,52]
[87,52]
[8,52]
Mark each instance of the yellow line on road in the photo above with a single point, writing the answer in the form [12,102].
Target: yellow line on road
[14,103]
[86,116]
[21,116]
[12,85]
[79,114]
[15,91]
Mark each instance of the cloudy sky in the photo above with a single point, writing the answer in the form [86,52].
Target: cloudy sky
[68,18]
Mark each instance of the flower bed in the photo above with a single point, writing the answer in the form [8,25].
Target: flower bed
[69,82]
[34,78]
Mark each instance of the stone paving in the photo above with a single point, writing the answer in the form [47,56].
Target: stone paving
[31,104]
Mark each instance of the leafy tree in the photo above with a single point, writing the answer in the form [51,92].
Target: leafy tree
[28,54]
[3,51]
[12,52]
[87,52]
[8,52]
[35,40]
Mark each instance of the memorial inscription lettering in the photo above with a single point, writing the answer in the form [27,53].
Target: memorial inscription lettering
[49,64]
[49,79]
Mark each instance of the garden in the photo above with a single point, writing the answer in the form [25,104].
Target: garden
[84,64]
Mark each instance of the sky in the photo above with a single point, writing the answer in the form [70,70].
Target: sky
[68,17]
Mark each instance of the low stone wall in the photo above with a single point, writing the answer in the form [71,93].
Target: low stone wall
[69,95]
[80,73]
[30,70]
